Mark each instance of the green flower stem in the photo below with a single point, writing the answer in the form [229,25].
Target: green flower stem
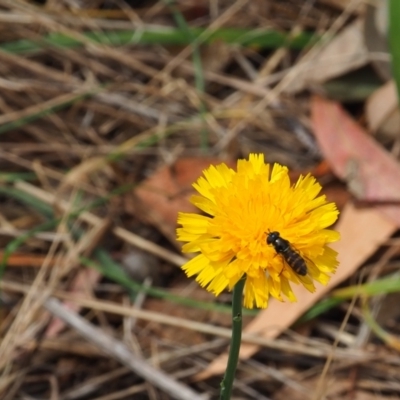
[237,300]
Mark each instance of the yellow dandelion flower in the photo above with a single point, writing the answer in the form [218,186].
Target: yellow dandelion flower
[261,226]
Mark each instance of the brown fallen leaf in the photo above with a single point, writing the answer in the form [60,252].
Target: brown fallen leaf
[372,174]
[167,191]
[358,242]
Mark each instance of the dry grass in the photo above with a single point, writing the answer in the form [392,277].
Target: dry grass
[82,124]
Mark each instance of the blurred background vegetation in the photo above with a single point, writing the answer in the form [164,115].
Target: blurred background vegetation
[110,109]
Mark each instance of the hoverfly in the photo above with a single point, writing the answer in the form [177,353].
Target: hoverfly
[290,255]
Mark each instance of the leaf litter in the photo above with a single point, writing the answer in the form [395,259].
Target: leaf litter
[113,132]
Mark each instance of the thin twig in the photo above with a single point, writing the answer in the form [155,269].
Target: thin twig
[122,353]
[320,351]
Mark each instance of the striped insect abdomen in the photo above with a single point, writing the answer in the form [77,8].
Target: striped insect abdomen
[295,261]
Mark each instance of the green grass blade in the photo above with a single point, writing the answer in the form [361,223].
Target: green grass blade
[386,285]
[17,176]
[31,201]
[394,40]
[260,38]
